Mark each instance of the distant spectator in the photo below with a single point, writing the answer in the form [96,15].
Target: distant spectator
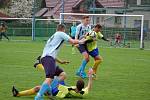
[118,39]
[3,29]
[72,34]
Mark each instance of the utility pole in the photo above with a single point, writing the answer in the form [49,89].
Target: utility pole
[62,8]
[125,19]
[33,20]
[94,6]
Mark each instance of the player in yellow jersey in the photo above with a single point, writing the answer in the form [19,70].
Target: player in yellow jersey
[60,90]
[92,48]
[78,90]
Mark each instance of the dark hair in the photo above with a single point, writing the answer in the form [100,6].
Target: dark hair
[84,17]
[98,26]
[80,84]
[60,27]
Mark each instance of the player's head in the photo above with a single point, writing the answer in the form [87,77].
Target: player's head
[61,27]
[74,23]
[97,28]
[80,84]
[86,20]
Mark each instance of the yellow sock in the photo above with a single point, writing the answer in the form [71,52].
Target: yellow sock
[95,66]
[40,67]
[27,92]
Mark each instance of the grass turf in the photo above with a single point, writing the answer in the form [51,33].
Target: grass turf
[123,75]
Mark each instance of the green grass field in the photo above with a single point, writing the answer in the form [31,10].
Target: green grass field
[123,75]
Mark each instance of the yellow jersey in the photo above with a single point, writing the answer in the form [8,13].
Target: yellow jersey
[65,91]
[93,36]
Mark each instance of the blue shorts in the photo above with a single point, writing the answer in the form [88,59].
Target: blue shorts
[50,67]
[94,52]
[82,48]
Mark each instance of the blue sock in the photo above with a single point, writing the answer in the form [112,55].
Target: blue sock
[55,82]
[62,82]
[55,90]
[82,67]
[44,88]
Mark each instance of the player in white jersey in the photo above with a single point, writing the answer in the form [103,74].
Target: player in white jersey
[82,30]
[48,57]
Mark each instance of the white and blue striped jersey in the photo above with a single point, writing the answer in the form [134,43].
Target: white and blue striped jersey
[82,30]
[53,44]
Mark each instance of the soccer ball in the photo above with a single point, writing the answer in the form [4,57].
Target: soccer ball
[92,34]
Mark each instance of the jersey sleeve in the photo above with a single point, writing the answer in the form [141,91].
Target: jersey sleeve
[64,36]
[63,91]
[86,91]
[100,35]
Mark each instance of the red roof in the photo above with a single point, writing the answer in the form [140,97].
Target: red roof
[54,6]
[57,9]
[41,12]
[112,3]
[51,3]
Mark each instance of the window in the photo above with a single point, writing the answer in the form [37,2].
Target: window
[117,20]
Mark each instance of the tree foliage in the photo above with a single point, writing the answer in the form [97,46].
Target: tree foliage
[4,3]
[21,8]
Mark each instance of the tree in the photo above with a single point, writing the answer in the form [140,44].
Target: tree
[21,8]
[4,3]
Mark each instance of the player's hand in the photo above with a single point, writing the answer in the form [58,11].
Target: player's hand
[65,62]
[108,40]
[90,72]
[82,41]
[76,45]
[87,34]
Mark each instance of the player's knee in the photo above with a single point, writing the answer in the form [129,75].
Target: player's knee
[62,76]
[87,58]
[37,88]
[99,59]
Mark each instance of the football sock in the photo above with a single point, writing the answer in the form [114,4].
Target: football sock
[83,65]
[95,66]
[27,92]
[55,90]
[40,67]
[44,88]
[62,82]
[55,82]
